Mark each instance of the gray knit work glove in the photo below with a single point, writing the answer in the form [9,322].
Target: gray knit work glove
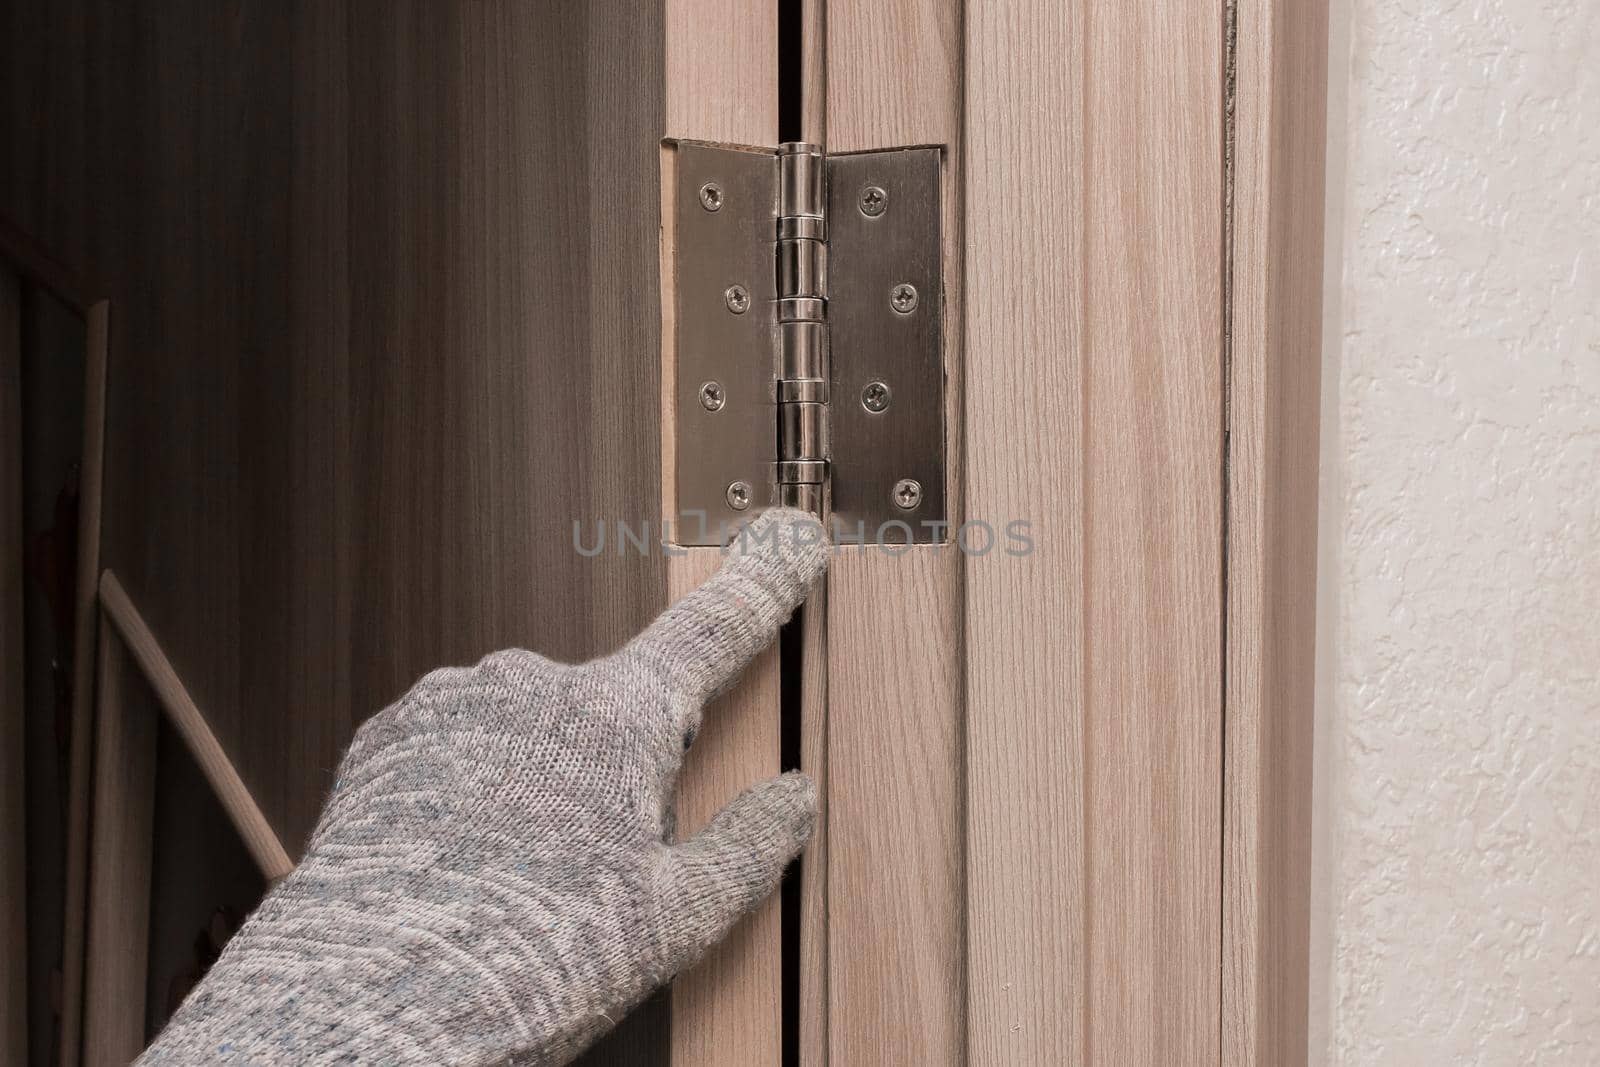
[492,877]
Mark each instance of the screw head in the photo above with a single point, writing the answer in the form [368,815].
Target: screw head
[907,494]
[875,397]
[738,298]
[712,397]
[739,496]
[711,196]
[903,298]
[872,201]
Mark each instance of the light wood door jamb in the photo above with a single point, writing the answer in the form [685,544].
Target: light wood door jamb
[1274,304]
[722,85]
[1138,213]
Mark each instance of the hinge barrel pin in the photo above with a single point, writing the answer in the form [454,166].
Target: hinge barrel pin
[802,372]
[800,180]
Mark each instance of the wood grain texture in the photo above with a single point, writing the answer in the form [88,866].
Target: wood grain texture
[1152,456]
[371,396]
[893,73]
[894,77]
[812,996]
[86,617]
[1275,309]
[28,259]
[1094,411]
[191,724]
[721,72]
[721,78]
[728,1009]
[813,71]
[204,880]
[13,712]
[895,828]
[119,872]
[392,302]
[895,986]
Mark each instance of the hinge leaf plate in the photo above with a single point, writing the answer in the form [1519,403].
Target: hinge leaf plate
[869,257]
[885,462]
[717,250]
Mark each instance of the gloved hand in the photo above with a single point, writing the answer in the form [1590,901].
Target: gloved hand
[492,876]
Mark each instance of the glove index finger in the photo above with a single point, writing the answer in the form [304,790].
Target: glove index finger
[707,638]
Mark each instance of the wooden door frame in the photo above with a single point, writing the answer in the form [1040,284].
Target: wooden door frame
[1136,852]
[1094,715]
[890,980]
[721,75]
[30,262]
[1277,165]
[123,801]
[111,762]
[914,894]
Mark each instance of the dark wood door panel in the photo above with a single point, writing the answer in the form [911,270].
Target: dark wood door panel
[385,279]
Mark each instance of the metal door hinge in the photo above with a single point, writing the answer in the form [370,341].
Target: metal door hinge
[808,338]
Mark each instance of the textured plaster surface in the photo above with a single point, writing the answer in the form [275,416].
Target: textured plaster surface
[1460,797]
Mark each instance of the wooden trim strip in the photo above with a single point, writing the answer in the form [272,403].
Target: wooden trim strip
[13,694]
[895,859]
[813,971]
[727,1010]
[1094,410]
[895,949]
[721,85]
[1274,303]
[258,835]
[86,621]
[120,866]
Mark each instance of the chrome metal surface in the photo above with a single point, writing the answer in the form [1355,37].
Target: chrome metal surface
[802,349]
[870,340]
[875,397]
[714,251]
[802,249]
[801,172]
[802,471]
[907,494]
[801,265]
[802,391]
[904,298]
[809,227]
[807,496]
[802,312]
[800,309]
[802,430]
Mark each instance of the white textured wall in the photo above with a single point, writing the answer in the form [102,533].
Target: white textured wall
[1458,852]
